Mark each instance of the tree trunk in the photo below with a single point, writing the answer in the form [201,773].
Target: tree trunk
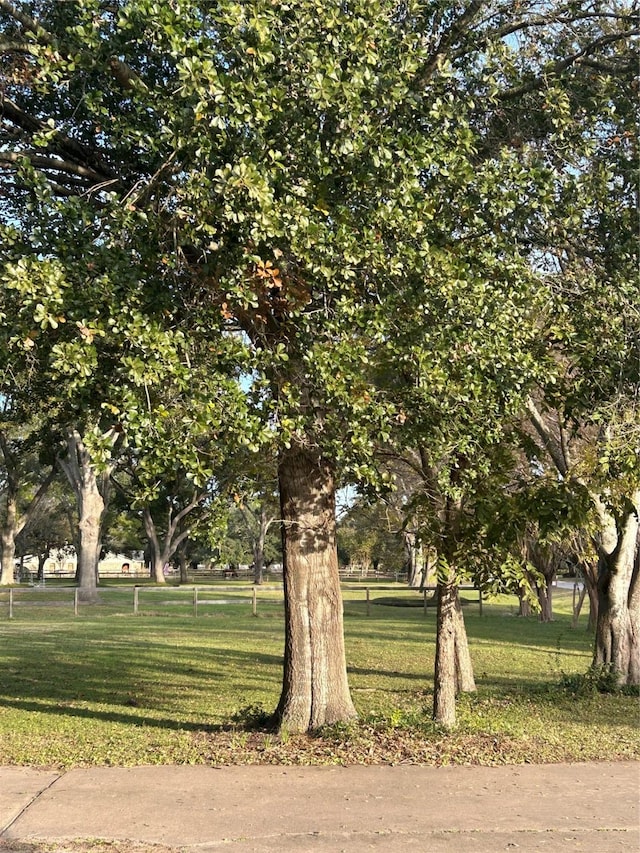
[588,573]
[91,491]
[91,511]
[445,681]
[315,691]
[592,592]
[465,681]
[8,541]
[42,559]
[15,522]
[183,562]
[618,630]
[158,554]
[544,593]
[413,551]
[453,669]
[524,608]
[258,547]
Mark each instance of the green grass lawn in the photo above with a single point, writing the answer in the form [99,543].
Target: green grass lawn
[108,687]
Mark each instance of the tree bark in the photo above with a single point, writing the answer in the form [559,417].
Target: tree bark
[445,682]
[544,593]
[453,669]
[91,491]
[159,555]
[617,643]
[414,559]
[524,608]
[92,509]
[8,541]
[177,529]
[465,681]
[315,690]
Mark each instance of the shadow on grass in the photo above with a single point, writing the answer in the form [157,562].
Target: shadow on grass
[382,673]
[108,675]
[61,710]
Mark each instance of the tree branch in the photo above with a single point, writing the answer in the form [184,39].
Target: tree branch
[27,21]
[549,441]
[35,501]
[58,165]
[561,65]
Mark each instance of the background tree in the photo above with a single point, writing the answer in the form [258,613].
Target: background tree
[51,528]
[586,422]
[370,537]
[24,481]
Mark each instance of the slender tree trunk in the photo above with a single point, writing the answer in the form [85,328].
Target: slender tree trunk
[8,541]
[183,562]
[545,600]
[42,559]
[258,547]
[315,691]
[413,551]
[592,592]
[158,554]
[445,681]
[617,634]
[588,573]
[465,681]
[14,522]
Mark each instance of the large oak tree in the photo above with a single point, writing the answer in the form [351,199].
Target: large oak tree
[273,178]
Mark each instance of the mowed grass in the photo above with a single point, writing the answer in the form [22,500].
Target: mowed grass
[108,687]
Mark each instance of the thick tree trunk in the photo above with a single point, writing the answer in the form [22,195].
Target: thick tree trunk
[618,629]
[91,510]
[91,491]
[315,691]
[156,569]
[524,608]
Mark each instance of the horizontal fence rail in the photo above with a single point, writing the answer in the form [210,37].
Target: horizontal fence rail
[192,600]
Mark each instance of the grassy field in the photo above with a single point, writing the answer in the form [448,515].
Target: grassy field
[107,687]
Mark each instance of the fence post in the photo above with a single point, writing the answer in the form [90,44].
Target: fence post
[254,601]
[135,600]
[75,601]
[11,604]
[368,602]
[424,601]
[195,601]
[480,600]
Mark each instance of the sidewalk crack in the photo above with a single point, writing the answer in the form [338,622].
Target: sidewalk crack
[28,805]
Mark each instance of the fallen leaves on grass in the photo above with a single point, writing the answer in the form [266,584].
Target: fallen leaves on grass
[366,744]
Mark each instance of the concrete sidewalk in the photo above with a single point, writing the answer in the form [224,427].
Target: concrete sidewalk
[586,807]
